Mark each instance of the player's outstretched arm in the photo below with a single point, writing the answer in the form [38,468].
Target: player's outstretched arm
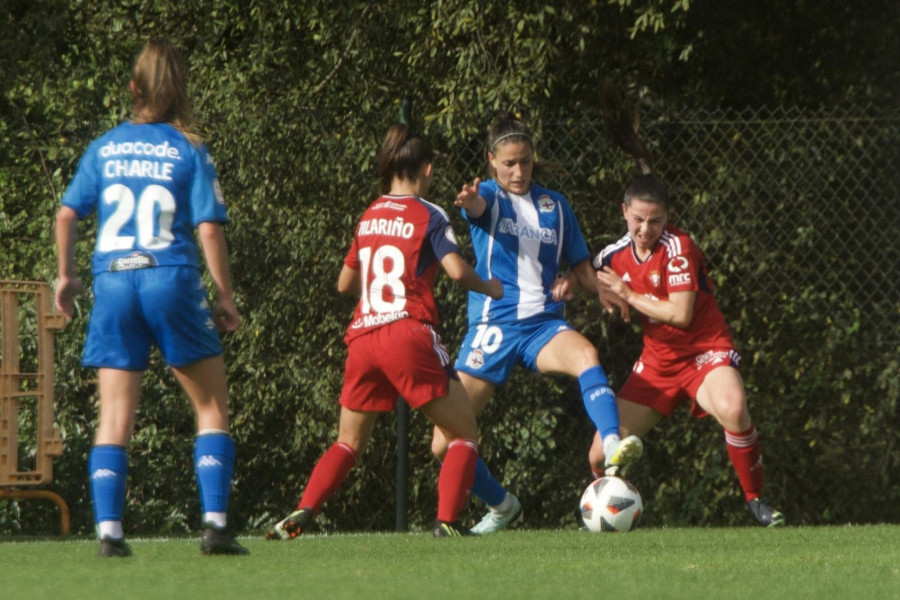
[462,273]
[215,252]
[469,200]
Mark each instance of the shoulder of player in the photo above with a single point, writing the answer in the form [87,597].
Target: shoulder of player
[610,250]
[676,242]
[433,208]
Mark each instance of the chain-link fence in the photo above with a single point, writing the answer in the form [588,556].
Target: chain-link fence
[817,191]
[798,215]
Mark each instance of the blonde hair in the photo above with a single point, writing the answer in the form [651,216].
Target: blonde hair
[159,89]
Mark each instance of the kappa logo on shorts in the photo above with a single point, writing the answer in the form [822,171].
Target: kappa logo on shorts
[475,360]
[210,324]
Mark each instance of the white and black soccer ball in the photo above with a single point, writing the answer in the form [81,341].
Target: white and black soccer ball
[611,504]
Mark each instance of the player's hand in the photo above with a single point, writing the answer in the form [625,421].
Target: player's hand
[611,302]
[562,289]
[226,315]
[494,288]
[614,293]
[609,280]
[66,290]
[468,197]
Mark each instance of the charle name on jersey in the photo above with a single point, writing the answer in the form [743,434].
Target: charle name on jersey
[152,167]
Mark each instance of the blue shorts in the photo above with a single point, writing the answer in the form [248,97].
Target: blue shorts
[165,306]
[490,351]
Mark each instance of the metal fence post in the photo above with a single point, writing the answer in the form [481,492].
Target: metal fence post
[401,520]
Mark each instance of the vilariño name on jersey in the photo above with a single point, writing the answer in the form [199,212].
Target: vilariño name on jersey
[397,245]
[523,241]
[675,265]
[151,187]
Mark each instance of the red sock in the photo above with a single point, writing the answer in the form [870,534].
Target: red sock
[327,476]
[745,452]
[455,480]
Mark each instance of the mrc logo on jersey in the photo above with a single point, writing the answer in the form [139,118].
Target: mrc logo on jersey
[678,271]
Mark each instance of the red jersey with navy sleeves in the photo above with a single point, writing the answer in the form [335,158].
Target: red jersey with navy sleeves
[397,246]
[675,265]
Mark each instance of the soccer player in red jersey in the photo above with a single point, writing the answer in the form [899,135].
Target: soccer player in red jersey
[688,352]
[393,349]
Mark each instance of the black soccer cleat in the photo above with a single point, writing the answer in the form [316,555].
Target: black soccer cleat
[291,526]
[764,514]
[113,548]
[443,529]
[218,542]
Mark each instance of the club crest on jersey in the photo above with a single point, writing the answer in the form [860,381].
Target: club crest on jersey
[475,360]
[546,204]
[654,278]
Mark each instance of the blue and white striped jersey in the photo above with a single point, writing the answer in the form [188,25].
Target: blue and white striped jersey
[523,241]
[151,187]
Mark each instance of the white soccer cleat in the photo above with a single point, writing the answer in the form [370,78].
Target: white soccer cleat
[494,521]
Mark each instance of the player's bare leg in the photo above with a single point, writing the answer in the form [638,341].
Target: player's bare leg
[722,395]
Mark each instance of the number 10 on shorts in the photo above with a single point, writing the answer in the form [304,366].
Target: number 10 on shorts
[488,338]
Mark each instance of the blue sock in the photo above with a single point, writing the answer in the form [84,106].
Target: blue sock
[599,400]
[485,487]
[108,471]
[214,463]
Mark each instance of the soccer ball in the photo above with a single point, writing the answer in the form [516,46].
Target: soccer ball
[611,504]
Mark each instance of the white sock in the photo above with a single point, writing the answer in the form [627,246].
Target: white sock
[610,443]
[218,519]
[110,529]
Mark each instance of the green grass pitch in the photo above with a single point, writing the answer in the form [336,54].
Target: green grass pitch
[734,563]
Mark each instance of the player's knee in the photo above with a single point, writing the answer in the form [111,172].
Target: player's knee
[438,446]
[731,411]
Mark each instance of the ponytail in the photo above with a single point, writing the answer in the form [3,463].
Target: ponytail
[402,155]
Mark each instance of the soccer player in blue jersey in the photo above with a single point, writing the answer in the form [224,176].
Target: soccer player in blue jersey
[525,236]
[152,182]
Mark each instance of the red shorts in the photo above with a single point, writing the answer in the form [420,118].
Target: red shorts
[664,385]
[402,359]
